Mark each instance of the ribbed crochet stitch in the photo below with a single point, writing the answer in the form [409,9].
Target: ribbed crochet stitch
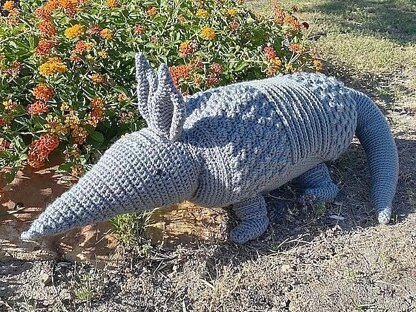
[230,146]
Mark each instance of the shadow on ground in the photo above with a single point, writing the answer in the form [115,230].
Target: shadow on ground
[388,19]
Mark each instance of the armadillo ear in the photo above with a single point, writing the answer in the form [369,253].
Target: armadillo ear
[146,84]
[167,107]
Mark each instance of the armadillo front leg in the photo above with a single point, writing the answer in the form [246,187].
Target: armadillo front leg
[317,185]
[252,213]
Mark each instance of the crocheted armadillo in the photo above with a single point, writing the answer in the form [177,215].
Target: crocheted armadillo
[229,146]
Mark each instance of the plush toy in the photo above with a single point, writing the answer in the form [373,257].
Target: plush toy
[230,146]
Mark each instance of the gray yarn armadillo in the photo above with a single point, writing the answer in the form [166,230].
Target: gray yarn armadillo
[229,146]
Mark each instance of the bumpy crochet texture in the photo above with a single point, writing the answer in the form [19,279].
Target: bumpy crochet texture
[230,146]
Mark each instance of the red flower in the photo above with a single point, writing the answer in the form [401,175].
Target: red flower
[138,29]
[47,29]
[94,30]
[37,108]
[212,80]
[41,148]
[234,25]
[216,68]
[270,53]
[44,47]
[179,72]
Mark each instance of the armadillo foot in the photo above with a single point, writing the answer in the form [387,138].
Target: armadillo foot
[317,185]
[254,221]
[384,215]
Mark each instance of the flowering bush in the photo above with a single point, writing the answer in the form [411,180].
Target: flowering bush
[67,76]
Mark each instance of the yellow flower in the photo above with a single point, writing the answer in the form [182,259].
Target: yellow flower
[208,33]
[112,4]
[232,12]
[106,34]
[202,13]
[74,31]
[318,65]
[52,66]
[8,6]
[289,67]
[151,11]
[103,54]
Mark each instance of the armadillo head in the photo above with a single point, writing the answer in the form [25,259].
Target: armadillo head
[143,170]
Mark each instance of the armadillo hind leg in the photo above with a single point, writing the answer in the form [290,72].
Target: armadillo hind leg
[317,185]
[252,213]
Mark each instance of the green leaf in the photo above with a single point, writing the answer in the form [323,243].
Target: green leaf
[97,137]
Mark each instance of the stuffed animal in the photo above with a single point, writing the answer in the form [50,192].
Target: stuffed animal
[230,146]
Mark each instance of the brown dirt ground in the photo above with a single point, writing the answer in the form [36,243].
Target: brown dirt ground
[333,258]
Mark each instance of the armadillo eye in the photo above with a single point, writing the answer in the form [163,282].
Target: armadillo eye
[159,172]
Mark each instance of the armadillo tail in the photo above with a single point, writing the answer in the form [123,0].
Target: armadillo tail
[377,140]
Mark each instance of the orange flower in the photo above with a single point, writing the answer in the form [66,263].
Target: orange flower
[293,22]
[4,144]
[47,29]
[212,80]
[74,58]
[274,67]
[139,29]
[279,14]
[82,46]
[94,30]
[186,48]
[179,72]
[98,78]
[234,25]
[12,17]
[44,47]
[151,11]
[40,149]
[52,66]
[43,92]
[318,65]
[37,108]
[77,171]
[43,13]
[296,47]
[15,68]
[97,103]
[70,6]
[2,122]
[270,53]
[112,4]
[197,63]
[8,6]
[106,34]
[80,135]
[216,68]
[74,31]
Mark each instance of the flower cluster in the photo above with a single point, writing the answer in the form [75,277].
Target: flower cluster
[37,108]
[40,149]
[72,79]
[53,65]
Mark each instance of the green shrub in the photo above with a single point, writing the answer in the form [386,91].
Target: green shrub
[67,81]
